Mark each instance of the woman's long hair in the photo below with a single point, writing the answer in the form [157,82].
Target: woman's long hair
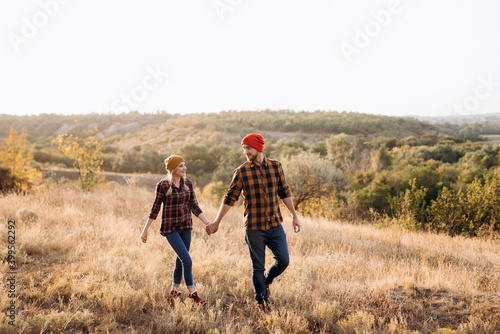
[183,184]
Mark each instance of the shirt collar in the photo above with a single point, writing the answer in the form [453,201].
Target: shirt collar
[264,163]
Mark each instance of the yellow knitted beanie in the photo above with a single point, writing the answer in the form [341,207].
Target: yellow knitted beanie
[173,161]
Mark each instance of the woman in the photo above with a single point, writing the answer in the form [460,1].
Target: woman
[179,201]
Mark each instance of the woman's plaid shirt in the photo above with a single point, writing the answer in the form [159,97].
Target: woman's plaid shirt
[261,186]
[177,207]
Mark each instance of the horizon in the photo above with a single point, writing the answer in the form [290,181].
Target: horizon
[111,113]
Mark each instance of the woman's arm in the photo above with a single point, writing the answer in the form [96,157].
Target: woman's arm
[204,219]
[193,202]
[214,227]
[144,234]
[159,196]
[161,190]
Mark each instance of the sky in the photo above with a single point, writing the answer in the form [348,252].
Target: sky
[395,57]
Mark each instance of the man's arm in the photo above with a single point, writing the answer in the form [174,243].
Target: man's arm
[230,198]
[295,220]
[214,227]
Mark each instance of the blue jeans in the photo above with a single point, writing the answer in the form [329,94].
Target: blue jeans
[180,240]
[275,240]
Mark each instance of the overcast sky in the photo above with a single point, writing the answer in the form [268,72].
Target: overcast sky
[379,57]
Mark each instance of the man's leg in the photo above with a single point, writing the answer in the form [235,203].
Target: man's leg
[256,241]
[278,246]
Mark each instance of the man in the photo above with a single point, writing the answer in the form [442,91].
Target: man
[262,181]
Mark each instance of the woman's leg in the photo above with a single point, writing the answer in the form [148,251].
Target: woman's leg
[180,241]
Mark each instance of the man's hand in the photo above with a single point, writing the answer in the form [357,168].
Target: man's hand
[296,224]
[289,205]
[144,236]
[212,228]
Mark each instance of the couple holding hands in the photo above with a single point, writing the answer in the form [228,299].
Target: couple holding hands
[262,182]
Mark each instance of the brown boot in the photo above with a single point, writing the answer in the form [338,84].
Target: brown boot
[196,299]
[174,294]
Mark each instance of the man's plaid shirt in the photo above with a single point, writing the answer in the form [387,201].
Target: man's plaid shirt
[261,186]
[177,207]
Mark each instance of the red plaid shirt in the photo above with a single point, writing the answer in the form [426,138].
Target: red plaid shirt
[177,207]
[261,186]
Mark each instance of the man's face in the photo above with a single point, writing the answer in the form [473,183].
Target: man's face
[250,152]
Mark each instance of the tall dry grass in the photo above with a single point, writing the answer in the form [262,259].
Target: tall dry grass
[84,269]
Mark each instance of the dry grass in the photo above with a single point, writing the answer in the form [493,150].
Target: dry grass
[84,269]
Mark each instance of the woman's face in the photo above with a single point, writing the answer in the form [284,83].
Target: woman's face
[180,170]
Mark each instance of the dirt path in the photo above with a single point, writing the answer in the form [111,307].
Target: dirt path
[61,175]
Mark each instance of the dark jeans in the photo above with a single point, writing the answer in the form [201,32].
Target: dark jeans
[180,240]
[275,240]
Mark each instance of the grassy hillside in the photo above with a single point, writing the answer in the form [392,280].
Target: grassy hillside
[155,127]
[82,268]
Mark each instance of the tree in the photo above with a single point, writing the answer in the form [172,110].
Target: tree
[349,153]
[484,205]
[139,159]
[85,152]
[15,161]
[288,148]
[447,212]
[410,206]
[198,159]
[7,180]
[311,177]
[342,150]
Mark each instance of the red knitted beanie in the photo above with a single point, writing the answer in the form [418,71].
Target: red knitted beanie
[254,140]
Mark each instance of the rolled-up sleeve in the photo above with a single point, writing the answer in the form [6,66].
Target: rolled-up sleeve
[193,202]
[283,189]
[159,198]
[233,193]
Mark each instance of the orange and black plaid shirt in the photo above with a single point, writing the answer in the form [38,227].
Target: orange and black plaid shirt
[261,186]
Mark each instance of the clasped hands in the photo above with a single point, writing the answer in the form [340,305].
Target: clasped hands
[212,228]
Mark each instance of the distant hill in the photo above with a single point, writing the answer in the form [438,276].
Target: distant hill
[460,118]
[161,128]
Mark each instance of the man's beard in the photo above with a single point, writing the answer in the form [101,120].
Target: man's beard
[251,158]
